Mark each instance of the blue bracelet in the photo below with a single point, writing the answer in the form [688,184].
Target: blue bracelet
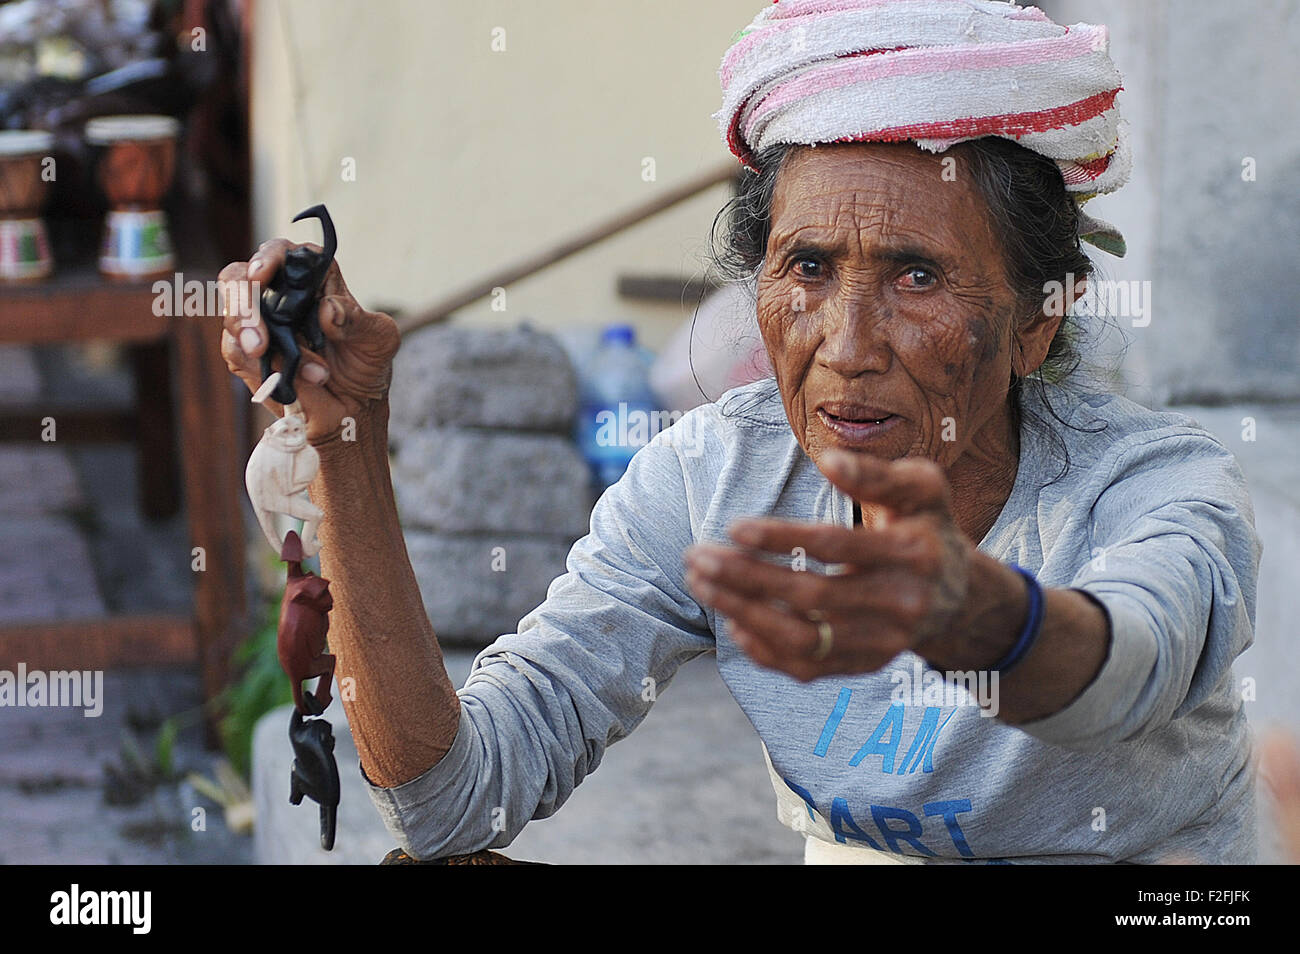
[1033,623]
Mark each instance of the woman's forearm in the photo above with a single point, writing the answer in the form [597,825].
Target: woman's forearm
[401,705]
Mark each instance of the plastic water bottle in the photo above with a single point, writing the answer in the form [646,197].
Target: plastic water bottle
[617,409]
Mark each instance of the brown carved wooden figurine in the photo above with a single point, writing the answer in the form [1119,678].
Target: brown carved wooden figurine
[304,622]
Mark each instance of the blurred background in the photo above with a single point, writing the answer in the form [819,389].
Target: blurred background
[530,190]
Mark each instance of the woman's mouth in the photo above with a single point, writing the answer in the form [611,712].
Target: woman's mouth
[856,425]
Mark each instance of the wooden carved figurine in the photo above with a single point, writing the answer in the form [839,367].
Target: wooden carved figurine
[304,621]
[279,471]
[281,466]
[314,772]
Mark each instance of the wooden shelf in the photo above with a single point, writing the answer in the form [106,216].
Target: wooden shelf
[99,643]
[79,304]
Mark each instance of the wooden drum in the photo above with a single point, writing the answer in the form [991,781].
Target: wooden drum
[24,179]
[135,172]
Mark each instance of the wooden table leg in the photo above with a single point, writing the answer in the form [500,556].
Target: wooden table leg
[210,462]
[159,488]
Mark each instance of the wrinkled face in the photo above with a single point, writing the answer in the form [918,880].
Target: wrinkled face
[884,303]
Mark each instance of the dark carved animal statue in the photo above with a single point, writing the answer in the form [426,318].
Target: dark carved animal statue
[314,772]
[304,621]
[289,305]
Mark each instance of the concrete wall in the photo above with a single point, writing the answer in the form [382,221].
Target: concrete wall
[467,159]
[1208,85]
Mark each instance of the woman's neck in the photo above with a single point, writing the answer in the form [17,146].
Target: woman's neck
[983,477]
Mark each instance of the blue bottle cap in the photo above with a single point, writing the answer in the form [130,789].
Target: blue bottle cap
[623,334]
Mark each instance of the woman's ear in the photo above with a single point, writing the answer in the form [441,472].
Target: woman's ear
[1031,342]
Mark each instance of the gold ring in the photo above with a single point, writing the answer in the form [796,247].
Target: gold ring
[825,639]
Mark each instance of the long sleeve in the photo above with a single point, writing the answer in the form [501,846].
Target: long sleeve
[541,705]
[1174,563]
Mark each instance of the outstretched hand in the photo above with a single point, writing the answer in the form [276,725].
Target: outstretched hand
[898,585]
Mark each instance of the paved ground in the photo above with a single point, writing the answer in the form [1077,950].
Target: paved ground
[688,787]
[75,545]
[59,804]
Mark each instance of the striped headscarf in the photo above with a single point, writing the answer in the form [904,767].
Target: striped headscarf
[937,72]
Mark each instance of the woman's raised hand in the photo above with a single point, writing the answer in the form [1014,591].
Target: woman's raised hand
[354,369]
[901,586]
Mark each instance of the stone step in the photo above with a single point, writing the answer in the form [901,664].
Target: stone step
[36,479]
[46,571]
[20,377]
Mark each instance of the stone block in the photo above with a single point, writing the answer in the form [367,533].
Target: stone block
[477,587]
[517,379]
[461,480]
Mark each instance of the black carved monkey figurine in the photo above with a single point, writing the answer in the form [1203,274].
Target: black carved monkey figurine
[289,305]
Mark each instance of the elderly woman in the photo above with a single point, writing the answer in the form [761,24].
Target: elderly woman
[972,614]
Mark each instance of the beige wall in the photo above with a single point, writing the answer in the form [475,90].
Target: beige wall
[468,159]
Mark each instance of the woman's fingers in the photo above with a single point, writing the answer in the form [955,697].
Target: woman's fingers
[772,625]
[910,485]
[779,638]
[247,369]
[268,258]
[312,369]
[352,363]
[903,542]
[883,593]
[241,309]
[342,319]
[898,584]
[373,335]
[237,360]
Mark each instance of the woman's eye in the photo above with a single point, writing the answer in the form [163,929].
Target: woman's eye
[918,277]
[808,268]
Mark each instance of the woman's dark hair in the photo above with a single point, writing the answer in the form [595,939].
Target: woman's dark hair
[1030,209]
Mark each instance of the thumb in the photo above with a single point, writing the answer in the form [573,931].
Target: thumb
[905,487]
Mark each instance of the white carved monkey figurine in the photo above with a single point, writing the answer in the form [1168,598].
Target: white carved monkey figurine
[281,466]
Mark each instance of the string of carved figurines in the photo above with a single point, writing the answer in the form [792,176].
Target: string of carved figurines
[279,470]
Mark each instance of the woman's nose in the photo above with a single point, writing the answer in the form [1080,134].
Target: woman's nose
[854,338]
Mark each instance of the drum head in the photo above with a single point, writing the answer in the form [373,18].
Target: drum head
[105,130]
[25,142]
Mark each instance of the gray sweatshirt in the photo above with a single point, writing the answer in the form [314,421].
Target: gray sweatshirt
[1152,761]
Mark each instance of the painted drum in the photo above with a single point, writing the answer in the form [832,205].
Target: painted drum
[135,171]
[26,170]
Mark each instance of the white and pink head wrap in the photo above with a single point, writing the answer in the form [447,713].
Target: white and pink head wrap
[936,72]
